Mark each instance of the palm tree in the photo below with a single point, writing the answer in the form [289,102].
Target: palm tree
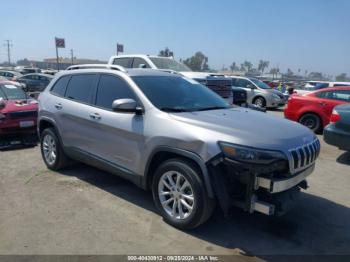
[263,65]
[248,65]
[233,66]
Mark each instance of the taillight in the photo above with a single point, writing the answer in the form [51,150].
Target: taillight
[335,117]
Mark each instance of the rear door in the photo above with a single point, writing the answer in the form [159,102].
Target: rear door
[117,137]
[76,112]
[329,99]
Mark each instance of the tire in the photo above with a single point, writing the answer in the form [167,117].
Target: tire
[51,150]
[194,212]
[311,121]
[260,102]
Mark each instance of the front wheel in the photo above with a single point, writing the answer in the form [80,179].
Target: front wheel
[260,102]
[179,194]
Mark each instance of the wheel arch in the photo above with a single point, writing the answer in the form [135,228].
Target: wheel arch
[163,153]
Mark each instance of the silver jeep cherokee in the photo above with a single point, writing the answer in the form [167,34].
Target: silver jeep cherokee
[177,138]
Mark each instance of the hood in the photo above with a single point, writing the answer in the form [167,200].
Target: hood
[19,105]
[274,91]
[248,127]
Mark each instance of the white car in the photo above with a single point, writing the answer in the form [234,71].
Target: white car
[315,85]
[218,83]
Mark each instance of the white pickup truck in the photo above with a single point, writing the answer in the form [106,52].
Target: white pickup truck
[218,83]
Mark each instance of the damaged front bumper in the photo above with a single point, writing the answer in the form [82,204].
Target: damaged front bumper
[252,189]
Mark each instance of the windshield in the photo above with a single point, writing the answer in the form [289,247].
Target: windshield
[179,94]
[12,92]
[260,84]
[170,64]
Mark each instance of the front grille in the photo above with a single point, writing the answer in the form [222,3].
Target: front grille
[23,114]
[221,87]
[304,156]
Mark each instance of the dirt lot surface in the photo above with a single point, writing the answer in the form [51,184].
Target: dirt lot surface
[85,211]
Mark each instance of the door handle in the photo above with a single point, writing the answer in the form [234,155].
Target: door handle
[58,106]
[95,116]
[323,103]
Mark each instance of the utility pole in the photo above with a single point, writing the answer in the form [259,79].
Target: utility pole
[72,56]
[8,45]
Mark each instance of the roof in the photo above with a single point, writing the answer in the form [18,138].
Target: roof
[332,89]
[129,72]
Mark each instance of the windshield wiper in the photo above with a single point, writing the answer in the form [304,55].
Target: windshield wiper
[173,109]
[212,108]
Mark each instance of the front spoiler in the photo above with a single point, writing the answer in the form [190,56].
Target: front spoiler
[279,185]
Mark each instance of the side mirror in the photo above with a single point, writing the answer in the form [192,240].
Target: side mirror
[126,105]
[250,86]
[142,66]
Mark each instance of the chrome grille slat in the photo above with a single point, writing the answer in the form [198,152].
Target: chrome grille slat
[304,156]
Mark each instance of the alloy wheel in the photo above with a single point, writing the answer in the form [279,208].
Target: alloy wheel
[176,195]
[49,149]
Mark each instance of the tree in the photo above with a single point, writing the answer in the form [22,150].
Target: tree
[263,65]
[233,66]
[289,72]
[342,78]
[166,52]
[23,62]
[247,65]
[316,76]
[274,71]
[198,62]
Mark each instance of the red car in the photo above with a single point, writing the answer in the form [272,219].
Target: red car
[18,116]
[314,109]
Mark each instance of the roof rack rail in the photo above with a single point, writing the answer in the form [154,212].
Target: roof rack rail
[96,66]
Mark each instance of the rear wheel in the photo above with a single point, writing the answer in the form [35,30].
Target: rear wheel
[311,121]
[51,150]
[179,194]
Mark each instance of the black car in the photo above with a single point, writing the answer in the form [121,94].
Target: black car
[337,133]
[35,82]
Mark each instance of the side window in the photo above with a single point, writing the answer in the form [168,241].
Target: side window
[111,88]
[123,61]
[321,94]
[343,95]
[242,83]
[80,87]
[140,63]
[60,86]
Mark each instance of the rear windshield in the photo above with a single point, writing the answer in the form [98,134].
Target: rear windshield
[12,92]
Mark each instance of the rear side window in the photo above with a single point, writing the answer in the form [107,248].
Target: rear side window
[60,86]
[342,95]
[123,61]
[139,63]
[111,88]
[80,87]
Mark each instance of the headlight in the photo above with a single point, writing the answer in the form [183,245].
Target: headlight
[276,97]
[250,155]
